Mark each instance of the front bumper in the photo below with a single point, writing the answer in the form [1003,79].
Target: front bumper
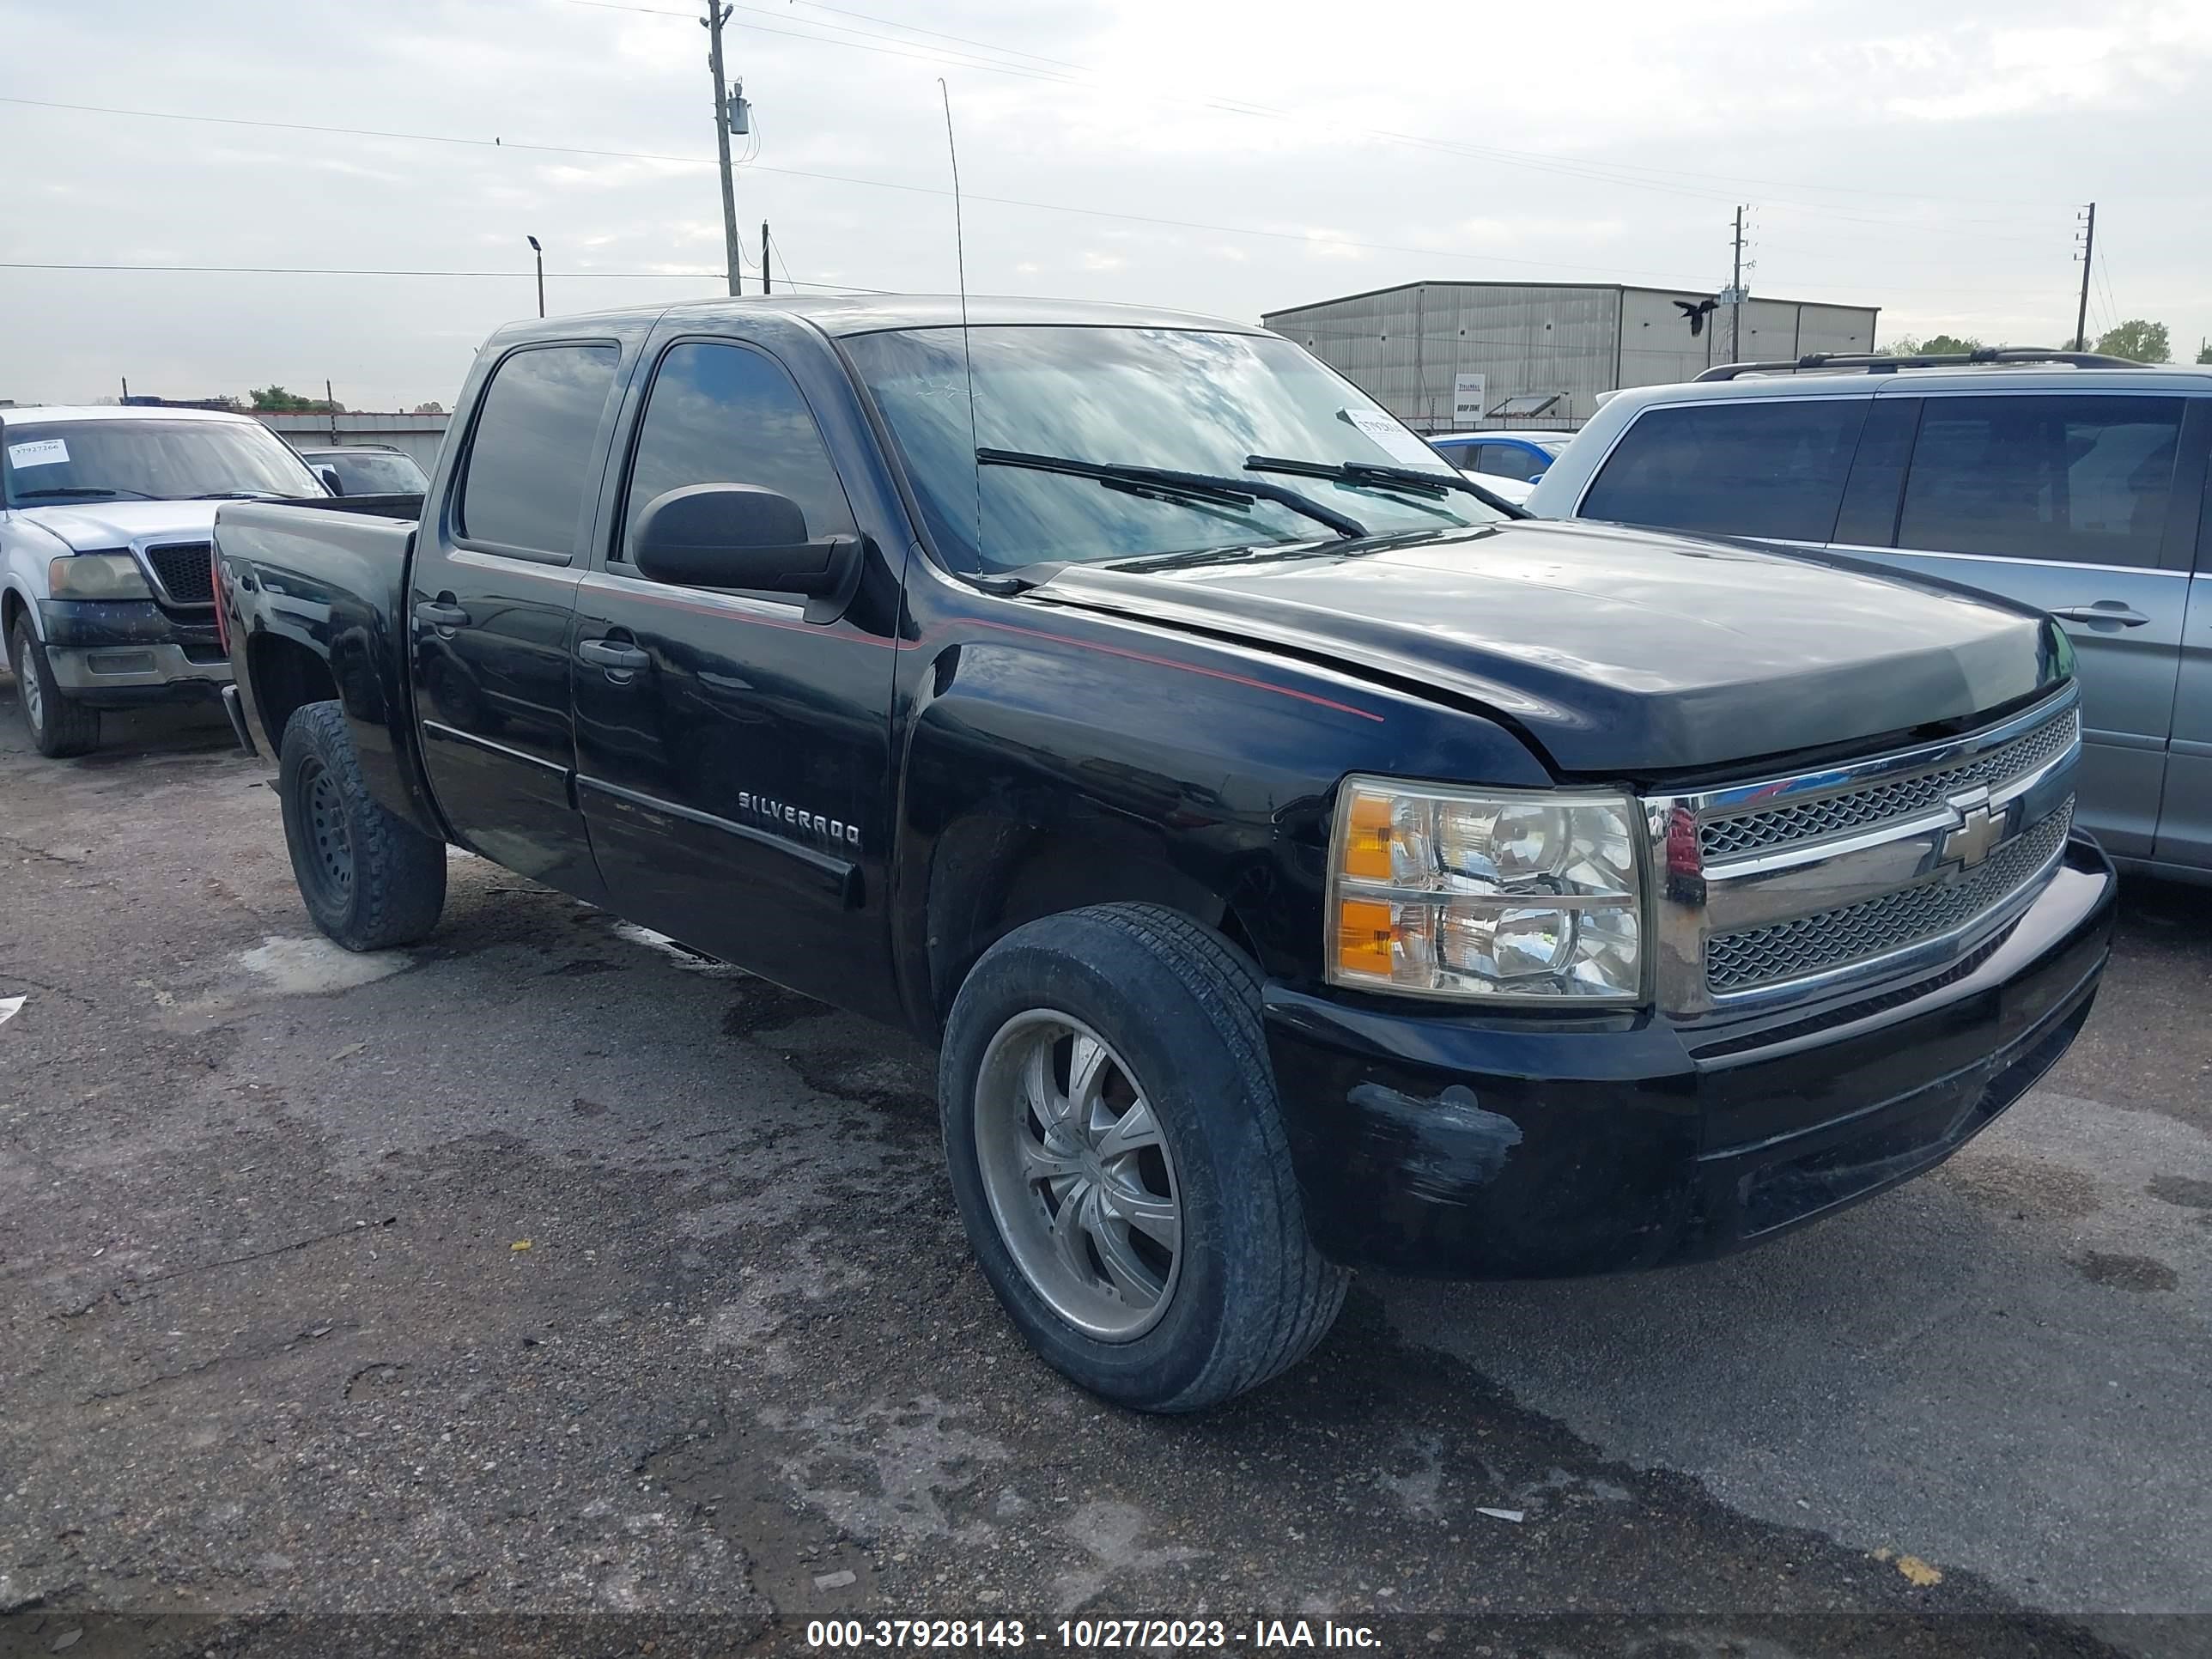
[128,653]
[1475,1147]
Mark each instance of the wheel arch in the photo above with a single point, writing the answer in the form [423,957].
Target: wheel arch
[286,676]
[989,875]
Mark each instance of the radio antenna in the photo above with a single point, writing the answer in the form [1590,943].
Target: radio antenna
[967,349]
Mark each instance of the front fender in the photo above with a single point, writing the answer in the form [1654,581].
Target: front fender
[1203,775]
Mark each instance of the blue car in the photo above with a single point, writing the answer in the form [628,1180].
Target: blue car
[1523,455]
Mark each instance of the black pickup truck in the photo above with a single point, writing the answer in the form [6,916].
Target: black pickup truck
[1300,859]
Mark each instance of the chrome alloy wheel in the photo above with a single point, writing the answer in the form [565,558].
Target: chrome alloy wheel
[1079,1177]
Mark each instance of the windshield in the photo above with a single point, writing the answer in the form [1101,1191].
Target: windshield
[371,472]
[53,461]
[1181,400]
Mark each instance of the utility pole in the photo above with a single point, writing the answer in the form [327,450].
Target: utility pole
[331,403]
[1736,296]
[767,287]
[717,15]
[537,250]
[2088,252]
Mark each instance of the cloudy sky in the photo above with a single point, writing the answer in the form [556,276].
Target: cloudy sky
[1228,157]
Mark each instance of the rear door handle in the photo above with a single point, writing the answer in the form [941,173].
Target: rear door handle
[2108,611]
[441,615]
[607,653]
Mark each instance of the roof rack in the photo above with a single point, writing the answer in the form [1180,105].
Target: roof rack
[1874,363]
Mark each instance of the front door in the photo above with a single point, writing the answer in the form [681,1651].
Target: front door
[733,757]
[2072,503]
[493,606]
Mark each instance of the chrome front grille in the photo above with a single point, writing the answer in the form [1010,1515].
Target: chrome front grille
[1829,939]
[1782,889]
[1854,809]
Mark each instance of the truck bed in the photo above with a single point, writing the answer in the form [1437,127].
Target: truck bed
[314,597]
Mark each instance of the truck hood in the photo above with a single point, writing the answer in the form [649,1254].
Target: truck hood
[1618,652]
[103,526]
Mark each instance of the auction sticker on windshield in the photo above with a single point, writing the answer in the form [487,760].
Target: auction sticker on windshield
[46,452]
[1403,445]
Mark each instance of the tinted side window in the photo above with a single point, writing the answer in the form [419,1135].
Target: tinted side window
[2081,479]
[532,454]
[1773,467]
[726,414]
[1510,461]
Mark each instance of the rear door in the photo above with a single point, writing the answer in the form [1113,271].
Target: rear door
[2185,824]
[493,603]
[2077,503]
[734,757]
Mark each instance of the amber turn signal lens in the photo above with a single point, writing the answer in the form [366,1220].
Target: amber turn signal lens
[1367,838]
[1364,938]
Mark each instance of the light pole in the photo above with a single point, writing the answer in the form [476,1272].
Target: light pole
[540,252]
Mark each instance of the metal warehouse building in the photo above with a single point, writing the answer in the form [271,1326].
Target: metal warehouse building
[1537,355]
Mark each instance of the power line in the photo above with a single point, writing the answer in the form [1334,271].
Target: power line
[915,28]
[387,271]
[1304,237]
[1632,175]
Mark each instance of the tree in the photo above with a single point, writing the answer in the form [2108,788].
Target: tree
[2137,340]
[2204,352]
[275,400]
[429,408]
[1934,345]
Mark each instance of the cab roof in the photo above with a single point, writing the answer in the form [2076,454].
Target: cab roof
[868,313]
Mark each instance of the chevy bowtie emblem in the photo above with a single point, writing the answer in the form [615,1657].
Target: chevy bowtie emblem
[1978,830]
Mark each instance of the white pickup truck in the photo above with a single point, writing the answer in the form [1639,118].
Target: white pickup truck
[106,601]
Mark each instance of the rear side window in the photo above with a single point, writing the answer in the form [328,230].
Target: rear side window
[1774,467]
[531,458]
[2081,480]
[727,414]
[1511,461]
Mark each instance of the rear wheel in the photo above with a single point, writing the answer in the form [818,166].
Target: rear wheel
[1119,1159]
[59,727]
[370,880]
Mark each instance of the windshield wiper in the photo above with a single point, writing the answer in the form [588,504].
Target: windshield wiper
[231,496]
[1416,480]
[1161,485]
[105,491]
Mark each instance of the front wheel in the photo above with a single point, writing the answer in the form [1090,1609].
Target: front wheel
[1119,1161]
[370,880]
[59,727]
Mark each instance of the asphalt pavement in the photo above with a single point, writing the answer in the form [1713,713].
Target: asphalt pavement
[545,1289]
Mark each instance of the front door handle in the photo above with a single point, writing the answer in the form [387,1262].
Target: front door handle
[2105,611]
[611,655]
[441,615]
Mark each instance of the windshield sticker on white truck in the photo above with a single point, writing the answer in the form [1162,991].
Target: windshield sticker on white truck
[46,452]
[1401,444]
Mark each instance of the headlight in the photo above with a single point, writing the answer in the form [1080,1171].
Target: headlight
[97,576]
[1486,894]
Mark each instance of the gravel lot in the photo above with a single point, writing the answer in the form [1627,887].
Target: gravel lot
[542,1290]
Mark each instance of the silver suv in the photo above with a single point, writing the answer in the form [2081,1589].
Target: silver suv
[2078,489]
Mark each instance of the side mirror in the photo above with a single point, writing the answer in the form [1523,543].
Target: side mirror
[741,536]
[329,475]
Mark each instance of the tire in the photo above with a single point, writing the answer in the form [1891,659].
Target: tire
[59,727]
[1244,1294]
[370,880]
